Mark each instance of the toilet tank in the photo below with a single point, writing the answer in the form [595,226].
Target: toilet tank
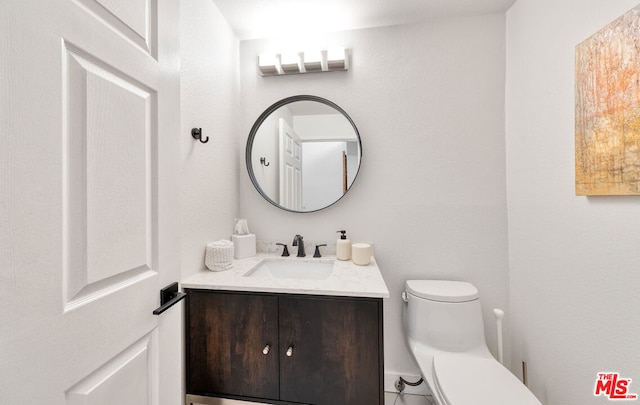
[444,315]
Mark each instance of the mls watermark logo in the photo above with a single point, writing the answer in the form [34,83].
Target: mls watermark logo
[614,387]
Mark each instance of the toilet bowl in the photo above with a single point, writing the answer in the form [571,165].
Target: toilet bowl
[444,332]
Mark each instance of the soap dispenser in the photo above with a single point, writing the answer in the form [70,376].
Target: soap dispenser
[343,246]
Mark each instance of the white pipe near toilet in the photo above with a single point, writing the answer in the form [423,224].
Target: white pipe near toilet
[499,315]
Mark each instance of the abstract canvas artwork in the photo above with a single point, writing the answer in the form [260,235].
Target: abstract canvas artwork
[608,109]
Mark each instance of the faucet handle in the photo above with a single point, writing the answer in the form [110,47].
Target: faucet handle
[317,252]
[285,251]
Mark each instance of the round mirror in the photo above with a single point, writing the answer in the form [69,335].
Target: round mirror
[303,153]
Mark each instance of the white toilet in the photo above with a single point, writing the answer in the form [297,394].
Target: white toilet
[445,334]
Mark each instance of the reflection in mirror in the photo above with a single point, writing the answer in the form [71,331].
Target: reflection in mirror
[303,153]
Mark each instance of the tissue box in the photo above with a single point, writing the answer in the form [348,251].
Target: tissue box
[244,245]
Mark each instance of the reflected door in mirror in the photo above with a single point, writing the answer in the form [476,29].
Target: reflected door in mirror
[290,167]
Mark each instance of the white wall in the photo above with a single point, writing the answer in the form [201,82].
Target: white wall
[323,127]
[574,261]
[209,100]
[323,173]
[428,100]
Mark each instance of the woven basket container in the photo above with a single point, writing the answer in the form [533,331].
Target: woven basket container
[219,255]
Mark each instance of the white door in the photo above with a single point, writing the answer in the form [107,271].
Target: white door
[290,167]
[89,120]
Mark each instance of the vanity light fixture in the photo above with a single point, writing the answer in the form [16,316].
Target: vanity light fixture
[291,62]
[325,60]
[269,65]
[337,59]
[314,61]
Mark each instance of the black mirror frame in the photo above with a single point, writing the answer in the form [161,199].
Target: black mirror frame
[263,117]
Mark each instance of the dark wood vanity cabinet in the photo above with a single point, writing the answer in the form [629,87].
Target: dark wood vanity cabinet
[282,348]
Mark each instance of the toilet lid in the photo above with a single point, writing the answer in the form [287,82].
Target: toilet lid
[471,380]
[443,290]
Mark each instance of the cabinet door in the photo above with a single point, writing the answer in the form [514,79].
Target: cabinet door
[336,353]
[227,334]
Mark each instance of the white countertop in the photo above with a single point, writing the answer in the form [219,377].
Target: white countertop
[347,279]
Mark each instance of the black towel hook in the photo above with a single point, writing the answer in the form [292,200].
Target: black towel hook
[196,133]
[264,162]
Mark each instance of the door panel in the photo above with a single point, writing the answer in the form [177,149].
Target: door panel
[290,167]
[118,381]
[109,134]
[134,20]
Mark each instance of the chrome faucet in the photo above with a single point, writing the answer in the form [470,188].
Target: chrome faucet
[297,241]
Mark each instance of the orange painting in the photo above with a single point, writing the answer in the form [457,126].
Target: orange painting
[608,109]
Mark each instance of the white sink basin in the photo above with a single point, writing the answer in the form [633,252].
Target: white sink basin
[296,269]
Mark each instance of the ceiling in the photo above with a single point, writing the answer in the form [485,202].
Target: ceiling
[251,19]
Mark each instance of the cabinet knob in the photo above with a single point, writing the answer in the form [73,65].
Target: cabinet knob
[290,351]
[266,349]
